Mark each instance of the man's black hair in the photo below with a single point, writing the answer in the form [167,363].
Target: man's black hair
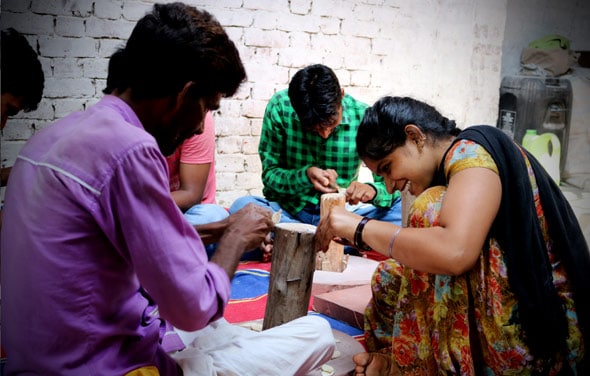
[174,44]
[22,74]
[315,95]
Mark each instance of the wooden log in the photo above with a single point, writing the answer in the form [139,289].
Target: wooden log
[291,273]
[333,260]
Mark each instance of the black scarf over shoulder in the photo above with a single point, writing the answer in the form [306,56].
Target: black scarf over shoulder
[518,232]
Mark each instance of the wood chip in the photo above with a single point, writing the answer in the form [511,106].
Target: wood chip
[276,217]
[327,370]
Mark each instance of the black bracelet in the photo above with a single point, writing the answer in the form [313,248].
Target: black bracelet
[358,235]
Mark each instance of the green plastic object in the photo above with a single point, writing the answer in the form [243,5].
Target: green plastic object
[546,148]
[550,42]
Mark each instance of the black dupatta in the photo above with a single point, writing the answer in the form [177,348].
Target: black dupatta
[518,232]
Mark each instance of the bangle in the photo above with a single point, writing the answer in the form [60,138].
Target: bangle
[395,234]
[358,235]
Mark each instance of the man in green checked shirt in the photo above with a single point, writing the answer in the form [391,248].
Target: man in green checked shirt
[308,148]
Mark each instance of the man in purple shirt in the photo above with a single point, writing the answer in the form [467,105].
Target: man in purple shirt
[95,253]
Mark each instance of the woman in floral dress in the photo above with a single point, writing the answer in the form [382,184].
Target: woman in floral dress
[491,275]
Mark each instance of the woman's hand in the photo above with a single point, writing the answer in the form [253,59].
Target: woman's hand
[338,225]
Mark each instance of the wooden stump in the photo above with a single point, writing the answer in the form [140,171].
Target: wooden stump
[291,273]
[333,260]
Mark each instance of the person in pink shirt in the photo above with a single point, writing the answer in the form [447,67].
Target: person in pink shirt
[192,169]
[192,179]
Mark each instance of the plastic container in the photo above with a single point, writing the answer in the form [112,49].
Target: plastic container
[541,103]
[546,148]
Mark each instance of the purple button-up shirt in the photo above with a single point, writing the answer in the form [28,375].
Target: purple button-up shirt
[88,225]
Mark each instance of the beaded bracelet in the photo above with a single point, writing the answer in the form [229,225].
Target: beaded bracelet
[358,235]
[395,234]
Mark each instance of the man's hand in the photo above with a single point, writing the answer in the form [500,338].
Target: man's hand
[360,192]
[246,230]
[266,247]
[323,180]
[250,225]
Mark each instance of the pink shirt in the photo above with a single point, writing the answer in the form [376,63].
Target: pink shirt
[199,149]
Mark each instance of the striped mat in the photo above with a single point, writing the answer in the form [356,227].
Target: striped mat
[249,292]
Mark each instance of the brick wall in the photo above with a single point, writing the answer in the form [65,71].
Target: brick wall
[447,53]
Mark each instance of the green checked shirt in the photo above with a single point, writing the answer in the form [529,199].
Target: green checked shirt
[287,151]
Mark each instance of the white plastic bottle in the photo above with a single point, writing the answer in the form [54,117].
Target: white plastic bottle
[546,148]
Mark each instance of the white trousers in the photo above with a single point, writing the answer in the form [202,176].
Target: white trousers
[292,349]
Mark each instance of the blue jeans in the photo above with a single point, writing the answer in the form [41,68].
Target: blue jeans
[310,214]
[206,213]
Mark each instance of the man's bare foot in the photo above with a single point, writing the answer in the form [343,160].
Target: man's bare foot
[374,364]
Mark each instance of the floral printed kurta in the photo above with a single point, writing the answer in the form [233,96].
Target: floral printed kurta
[426,320]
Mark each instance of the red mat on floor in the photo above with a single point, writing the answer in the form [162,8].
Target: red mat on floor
[250,290]
[249,293]
[244,306]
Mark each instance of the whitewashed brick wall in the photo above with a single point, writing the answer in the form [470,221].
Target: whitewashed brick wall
[449,55]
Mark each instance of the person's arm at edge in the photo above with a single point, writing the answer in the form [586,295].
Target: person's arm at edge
[471,203]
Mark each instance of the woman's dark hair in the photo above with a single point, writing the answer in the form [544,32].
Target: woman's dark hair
[315,95]
[173,44]
[22,74]
[382,128]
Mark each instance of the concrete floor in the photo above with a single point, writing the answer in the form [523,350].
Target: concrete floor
[580,202]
